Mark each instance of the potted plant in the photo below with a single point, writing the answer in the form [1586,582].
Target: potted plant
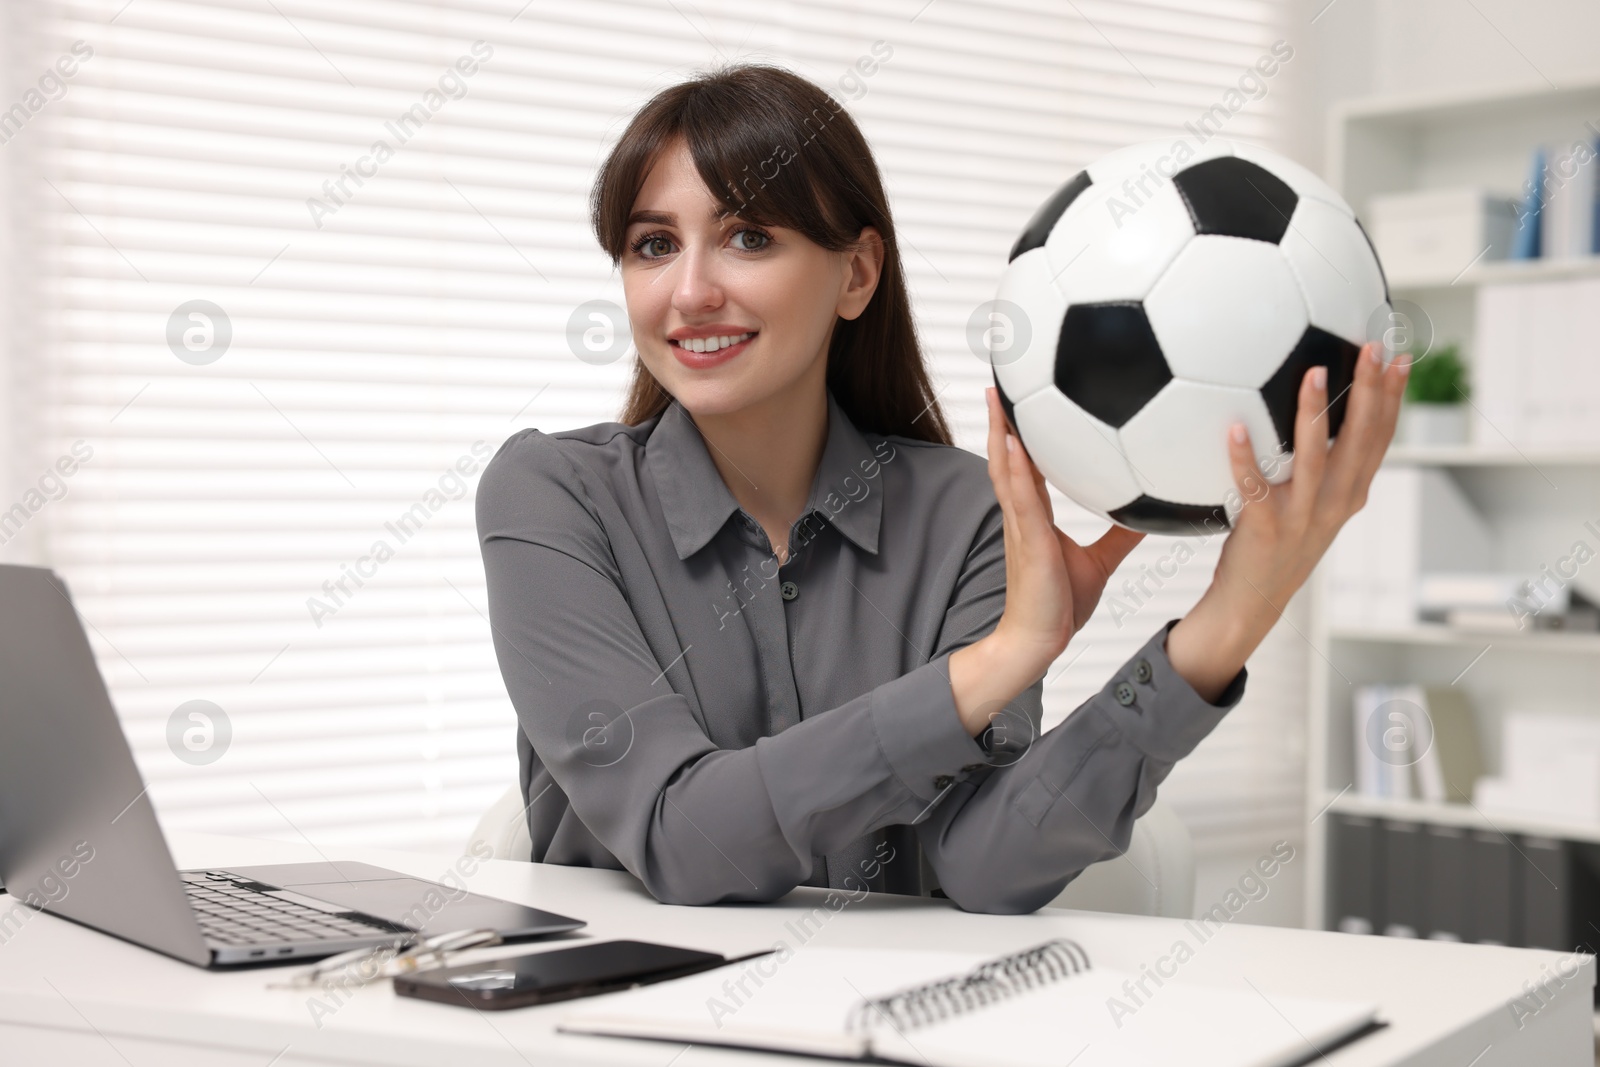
[1435,408]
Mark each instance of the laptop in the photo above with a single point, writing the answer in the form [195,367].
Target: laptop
[79,837]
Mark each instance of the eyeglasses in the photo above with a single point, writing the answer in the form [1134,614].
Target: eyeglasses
[404,955]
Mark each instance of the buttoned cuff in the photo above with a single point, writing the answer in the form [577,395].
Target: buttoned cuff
[1156,709]
[920,732]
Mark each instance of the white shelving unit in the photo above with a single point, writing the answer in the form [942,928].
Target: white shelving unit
[1535,500]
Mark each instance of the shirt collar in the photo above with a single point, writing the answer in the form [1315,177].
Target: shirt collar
[697,503]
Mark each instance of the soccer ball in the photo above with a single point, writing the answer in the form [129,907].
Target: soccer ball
[1163,294]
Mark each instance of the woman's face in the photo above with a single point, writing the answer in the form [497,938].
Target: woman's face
[690,276]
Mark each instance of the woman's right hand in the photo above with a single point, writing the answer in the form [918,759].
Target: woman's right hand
[1052,584]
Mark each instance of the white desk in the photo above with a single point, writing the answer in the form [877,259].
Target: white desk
[71,996]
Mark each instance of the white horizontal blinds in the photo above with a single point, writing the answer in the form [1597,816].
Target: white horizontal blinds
[368,356]
[429,310]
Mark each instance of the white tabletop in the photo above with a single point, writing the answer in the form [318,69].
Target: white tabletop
[64,987]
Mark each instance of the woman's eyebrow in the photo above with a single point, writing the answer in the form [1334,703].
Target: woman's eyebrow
[668,218]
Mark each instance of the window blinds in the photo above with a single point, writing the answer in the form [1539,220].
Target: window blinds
[295,268]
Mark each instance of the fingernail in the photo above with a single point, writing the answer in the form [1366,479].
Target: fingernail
[1237,433]
[1011,443]
[1319,378]
[1375,357]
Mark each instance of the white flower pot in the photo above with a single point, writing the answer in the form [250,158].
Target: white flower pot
[1433,424]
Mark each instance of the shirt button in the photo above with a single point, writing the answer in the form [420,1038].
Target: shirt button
[1124,693]
[942,781]
[1141,670]
[790,590]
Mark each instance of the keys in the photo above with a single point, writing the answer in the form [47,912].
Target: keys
[232,914]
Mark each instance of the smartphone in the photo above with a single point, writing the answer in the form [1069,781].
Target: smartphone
[557,974]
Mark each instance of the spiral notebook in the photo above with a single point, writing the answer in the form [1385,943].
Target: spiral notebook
[1044,1006]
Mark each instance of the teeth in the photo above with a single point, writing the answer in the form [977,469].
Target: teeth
[713,344]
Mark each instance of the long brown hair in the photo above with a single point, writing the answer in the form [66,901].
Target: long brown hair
[778,150]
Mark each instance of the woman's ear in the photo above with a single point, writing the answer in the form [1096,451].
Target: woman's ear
[863,267]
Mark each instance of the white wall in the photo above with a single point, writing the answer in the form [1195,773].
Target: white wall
[1355,48]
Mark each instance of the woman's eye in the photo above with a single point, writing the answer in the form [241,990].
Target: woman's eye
[738,239]
[650,246]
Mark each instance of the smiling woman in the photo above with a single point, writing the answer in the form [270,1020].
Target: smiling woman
[752,151]
[877,690]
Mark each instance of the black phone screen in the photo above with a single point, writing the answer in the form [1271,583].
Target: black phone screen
[556,974]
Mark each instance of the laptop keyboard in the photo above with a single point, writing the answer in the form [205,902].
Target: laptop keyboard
[236,912]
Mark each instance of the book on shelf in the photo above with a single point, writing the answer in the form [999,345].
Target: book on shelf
[1488,600]
[1525,242]
[1415,742]
[1044,1006]
[1556,213]
[1568,219]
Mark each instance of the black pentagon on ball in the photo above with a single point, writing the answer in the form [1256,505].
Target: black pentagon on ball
[1233,197]
[1281,393]
[1108,360]
[1044,220]
[1005,402]
[1153,515]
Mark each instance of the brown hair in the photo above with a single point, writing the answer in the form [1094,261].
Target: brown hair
[740,123]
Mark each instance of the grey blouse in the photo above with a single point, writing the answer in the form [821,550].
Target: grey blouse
[726,728]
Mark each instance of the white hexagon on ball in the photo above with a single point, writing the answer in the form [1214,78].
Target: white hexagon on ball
[1076,452]
[1023,354]
[1333,263]
[1199,415]
[1108,253]
[1227,311]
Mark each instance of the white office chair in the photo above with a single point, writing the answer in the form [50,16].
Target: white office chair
[1154,877]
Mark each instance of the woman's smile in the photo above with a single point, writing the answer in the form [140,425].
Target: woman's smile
[699,353]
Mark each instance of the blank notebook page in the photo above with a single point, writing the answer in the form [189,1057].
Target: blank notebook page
[801,1005]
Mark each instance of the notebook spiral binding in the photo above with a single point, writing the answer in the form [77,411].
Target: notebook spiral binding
[993,981]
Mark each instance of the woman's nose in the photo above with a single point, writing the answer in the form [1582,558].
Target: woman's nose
[696,284]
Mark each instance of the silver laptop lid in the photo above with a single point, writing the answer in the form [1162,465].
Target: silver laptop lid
[77,831]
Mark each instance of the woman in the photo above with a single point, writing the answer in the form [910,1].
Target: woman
[771,629]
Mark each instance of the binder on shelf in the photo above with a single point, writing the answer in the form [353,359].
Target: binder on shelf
[1405,879]
[1354,874]
[1525,242]
[1546,897]
[1567,219]
[1452,763]
[1493,889]
[1450,876]
[1394,743]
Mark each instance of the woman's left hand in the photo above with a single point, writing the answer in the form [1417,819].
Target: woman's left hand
[1283,530]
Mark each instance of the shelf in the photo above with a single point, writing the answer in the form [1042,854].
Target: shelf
[1452,636]
[1427,811]
[1481,456]
[1433,105]
[1490,272]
